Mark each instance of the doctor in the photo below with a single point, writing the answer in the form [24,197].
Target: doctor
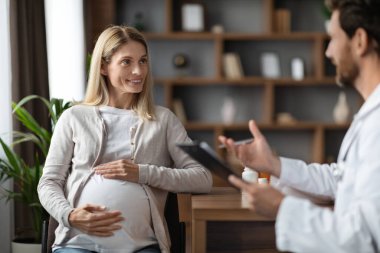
[354,182]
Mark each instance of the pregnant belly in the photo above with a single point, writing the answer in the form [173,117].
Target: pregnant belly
[115,195]
[130,199]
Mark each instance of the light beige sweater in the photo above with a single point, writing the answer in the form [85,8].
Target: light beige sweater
[76,147]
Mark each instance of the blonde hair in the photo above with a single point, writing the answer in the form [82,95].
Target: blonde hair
[107,44]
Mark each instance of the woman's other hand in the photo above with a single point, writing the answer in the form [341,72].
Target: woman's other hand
[95,220]
[121,169]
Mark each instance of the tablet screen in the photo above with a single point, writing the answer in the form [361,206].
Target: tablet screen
[205,155]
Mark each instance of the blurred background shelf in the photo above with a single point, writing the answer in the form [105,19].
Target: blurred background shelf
[250,28]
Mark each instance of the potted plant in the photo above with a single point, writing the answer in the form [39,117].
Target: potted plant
[25,176]
[326,14]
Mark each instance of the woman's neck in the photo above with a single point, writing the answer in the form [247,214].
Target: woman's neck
[123,101]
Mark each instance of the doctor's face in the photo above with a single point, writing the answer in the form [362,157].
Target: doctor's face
[128,68]
[340,53]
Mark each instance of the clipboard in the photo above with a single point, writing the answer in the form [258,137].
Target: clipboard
[206,156]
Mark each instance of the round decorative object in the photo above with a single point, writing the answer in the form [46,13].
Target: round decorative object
[180,60]
[217,29]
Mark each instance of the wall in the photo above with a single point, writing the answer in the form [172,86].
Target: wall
[6,121]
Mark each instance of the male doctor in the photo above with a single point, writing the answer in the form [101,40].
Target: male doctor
[354,181]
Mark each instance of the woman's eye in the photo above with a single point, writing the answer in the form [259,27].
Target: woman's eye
[144,61]
[125,62]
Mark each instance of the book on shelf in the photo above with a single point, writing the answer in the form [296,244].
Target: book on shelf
[282,20]
[179,110]
[232,66]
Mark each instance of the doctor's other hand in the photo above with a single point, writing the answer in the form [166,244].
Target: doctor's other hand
[95,220]
[256,155]
[262,198]
[120,169]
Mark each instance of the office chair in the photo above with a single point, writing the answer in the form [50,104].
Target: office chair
[176,228]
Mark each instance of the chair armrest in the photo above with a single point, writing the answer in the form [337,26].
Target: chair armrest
[184,207]
[185,217]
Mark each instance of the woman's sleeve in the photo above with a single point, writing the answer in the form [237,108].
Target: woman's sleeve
[187,175]
[52,183]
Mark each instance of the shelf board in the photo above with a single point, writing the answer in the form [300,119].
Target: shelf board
[334,126]
[181,36]
[266,126]
[236,36]
[307,81]
[275,36]
[188,81]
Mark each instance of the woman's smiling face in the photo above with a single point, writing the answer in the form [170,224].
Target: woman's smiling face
[128,68]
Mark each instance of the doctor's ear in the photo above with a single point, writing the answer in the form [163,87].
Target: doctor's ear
[362,43]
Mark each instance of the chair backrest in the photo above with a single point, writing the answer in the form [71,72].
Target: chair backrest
[48,234]
[176,228]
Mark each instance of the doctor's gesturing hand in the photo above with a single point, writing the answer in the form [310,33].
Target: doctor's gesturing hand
[256,155]
[262,198]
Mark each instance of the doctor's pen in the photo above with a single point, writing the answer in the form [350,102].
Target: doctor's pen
[241,142]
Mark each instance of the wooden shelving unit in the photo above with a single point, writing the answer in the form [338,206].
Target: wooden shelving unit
[314,137]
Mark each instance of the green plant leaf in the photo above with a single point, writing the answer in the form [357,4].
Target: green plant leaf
[30,123]
[13,159]
[58,107]
[31,97]
[25,177]
[20,137]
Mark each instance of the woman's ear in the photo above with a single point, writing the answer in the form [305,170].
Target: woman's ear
[103,69]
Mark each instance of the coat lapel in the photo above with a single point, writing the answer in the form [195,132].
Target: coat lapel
[370,104]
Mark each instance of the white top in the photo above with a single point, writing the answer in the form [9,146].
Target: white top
[130,198]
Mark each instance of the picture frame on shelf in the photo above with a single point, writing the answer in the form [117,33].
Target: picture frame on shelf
[193,17]
[282,20]
[270,65]
[179,110]
[232,66]
[298,68]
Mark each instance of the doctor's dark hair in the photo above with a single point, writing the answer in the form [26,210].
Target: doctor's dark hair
[109,41]
[356,14]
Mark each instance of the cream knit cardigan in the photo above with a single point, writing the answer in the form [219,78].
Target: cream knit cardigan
[77,145]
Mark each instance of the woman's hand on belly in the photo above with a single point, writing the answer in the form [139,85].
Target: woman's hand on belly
[120,169]
[95,220]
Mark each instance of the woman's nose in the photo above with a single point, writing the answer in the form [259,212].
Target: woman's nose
[136,70]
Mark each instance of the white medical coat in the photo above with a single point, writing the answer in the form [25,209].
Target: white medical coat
[354,184]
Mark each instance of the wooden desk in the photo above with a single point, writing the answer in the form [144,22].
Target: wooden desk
[224,204]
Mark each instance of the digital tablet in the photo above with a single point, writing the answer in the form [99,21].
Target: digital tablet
[205,155]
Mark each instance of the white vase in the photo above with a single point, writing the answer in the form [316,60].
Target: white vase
[19,247]
[341,110]
[228,111]
[327,25]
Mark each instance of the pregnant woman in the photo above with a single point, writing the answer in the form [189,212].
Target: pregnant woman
[113,158]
